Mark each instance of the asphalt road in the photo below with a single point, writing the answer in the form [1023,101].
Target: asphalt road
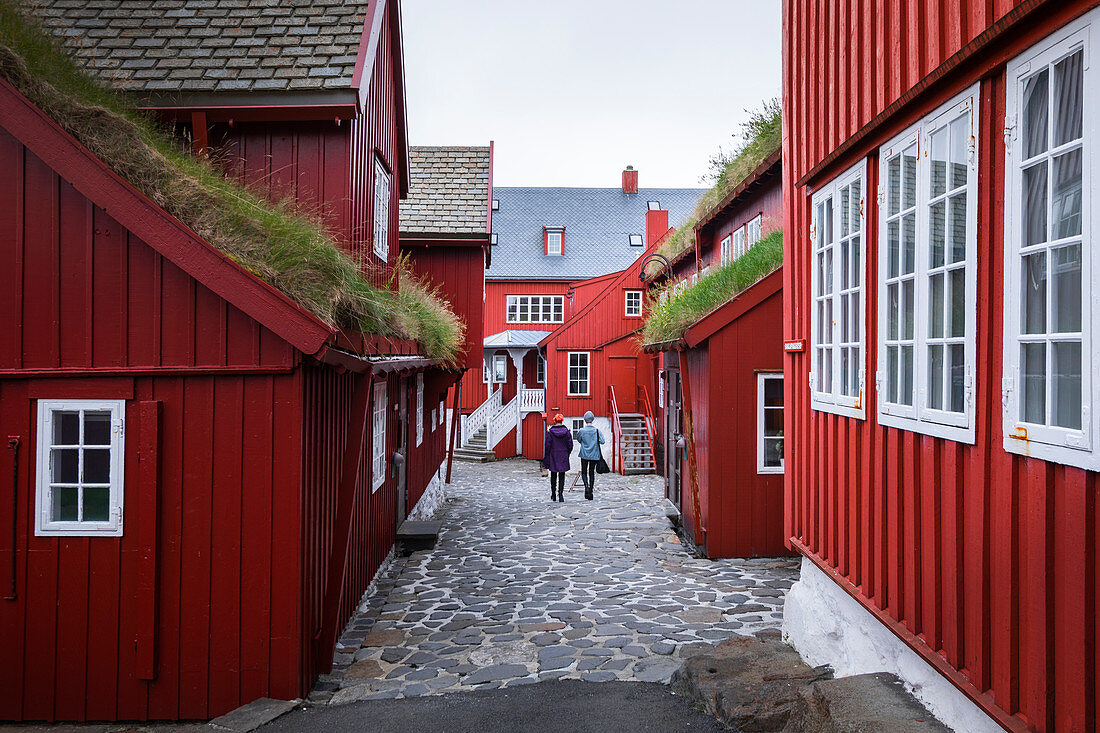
[547,707]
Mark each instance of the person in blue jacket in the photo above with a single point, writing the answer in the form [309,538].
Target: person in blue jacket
[590,439]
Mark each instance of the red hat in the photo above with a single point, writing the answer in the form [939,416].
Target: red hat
[559,418]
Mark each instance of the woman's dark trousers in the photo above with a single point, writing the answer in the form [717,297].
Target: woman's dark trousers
[558,487]
[588,474]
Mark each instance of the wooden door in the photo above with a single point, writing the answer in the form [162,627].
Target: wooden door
[674,426]
[624,378]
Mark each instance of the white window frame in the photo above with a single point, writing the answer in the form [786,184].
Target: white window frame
[381,211]
[661,388]
[761,379]
[1049,442]
[920,416]
[555,237]
[419,409]
[587,367]
[442,411]
[540,368]
[725,250]
[44,525]
[635,312]
[738,247]
[752,231]
[635,240]
[832,399]
[534,304]
[500,376]
[378,437]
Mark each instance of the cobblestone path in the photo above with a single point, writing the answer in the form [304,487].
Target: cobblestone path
[520,589]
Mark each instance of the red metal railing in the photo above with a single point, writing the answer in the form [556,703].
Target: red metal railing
[616,433]
[650,423]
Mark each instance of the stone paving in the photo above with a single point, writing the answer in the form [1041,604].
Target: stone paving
[520,589]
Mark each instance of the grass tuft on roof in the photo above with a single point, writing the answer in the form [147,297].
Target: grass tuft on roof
[761,137]
[277,241]
[670,319]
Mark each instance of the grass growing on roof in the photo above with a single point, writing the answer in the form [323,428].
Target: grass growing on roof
[669,320]
[761,136]
[279,242]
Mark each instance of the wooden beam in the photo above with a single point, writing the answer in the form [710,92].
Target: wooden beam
[325,641]
[200,134]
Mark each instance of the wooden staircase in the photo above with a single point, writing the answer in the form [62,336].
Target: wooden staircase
[476,448]
[635,448]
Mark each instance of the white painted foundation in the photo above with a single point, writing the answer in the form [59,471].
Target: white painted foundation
[434,496]
[828,626]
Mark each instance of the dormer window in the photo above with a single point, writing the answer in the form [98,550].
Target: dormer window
[493,239]
[635,240]
[496,204]
[653,205]
[554,240]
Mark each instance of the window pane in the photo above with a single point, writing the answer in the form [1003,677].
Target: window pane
[938,178]
[773,392]
[856,266]
[909,242]
[66,466]
[960,141]
[845,194]
[1068,88]
[957,212]
[935,377]
[1034,117]
[893,184]
[893,249]
[844,371]
[1066,204]
[907,375]
[97,503]
[1034,403]
[845,262]
[853,385]
[97,428]
[935,306]
[1035,293]
[937,215]
[844,321]
[828,321]
[958,377]
[857,189]
[64,507]
[1035,204]
[773,423]
[892,311]
[773,453]
[958,302]
[909,178]
[1066,399]
[1066,282]
[97,466]
[892,374]
[907,309]
[66,428]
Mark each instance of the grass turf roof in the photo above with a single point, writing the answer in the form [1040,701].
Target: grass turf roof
[668,321]
[276,241]
[763,136]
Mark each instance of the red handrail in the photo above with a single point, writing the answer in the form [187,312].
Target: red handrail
[650,424]
[616,433]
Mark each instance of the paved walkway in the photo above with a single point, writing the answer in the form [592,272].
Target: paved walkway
[520,590]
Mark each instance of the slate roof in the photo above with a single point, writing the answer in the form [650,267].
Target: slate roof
[597,221]
[448,191]
[164,46]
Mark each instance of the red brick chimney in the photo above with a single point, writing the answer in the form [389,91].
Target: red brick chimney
[630,180]
[656,225]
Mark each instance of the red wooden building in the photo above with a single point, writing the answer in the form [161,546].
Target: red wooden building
[555,252]
[721,385]
[941,270]
[206,475]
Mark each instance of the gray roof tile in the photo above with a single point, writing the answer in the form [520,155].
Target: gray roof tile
[169,37]
[597,221]
[448,191]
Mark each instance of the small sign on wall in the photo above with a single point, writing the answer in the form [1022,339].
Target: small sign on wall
[794,346]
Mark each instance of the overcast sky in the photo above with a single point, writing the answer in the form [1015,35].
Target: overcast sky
[572,91]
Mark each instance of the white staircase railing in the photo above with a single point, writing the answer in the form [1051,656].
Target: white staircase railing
[480,417]
[533,400]
[502,423]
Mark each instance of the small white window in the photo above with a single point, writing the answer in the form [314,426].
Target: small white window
[555,242]
[769,423]
[837,313]
[725,250]
[738,246]
[535,308]
[381,211]
[486,373]
[578,374]
[79,471]
[633,303]
[442,412]
[493,238]
[753,233]
[496,205]
[500,368]
[1051,267]
[653,205]
[378,437]
[661,388]
[433,423]
[927,306]
[635,240]
[540,370]
[419,409]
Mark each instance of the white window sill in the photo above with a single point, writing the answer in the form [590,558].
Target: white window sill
[838,409]
[778,471]
[957,433]
[1063,455]
[79,530]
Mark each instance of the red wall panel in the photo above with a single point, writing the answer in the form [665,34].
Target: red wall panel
[961,548]
[459,273]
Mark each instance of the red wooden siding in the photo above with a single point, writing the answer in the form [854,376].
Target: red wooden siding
[459,273]
[424,460]
[983,562]
[768,203]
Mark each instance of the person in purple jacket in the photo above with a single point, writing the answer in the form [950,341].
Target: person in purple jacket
[555,456]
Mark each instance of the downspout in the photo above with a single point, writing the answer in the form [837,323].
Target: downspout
[689,435]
